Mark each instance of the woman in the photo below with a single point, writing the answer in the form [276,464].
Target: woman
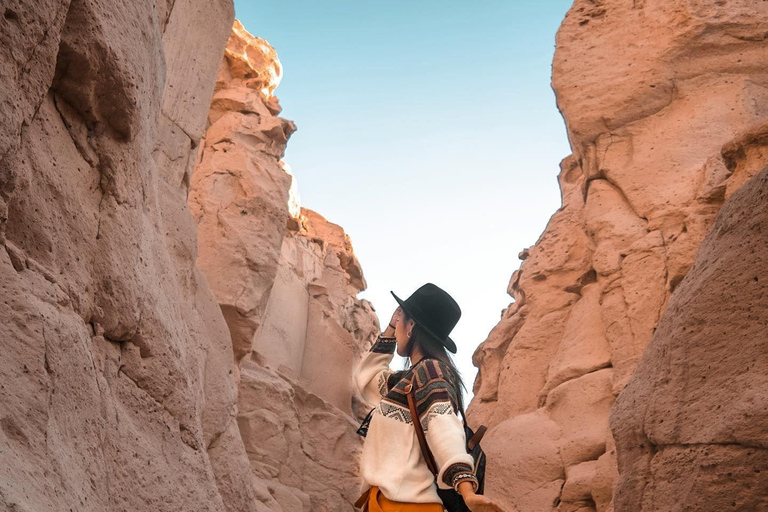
[395,474]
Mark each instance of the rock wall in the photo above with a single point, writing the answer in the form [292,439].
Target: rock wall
[690,425]
[137,375]
[665,104]
[117,385]
[286,280]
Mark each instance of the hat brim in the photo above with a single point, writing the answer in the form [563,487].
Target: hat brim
[447,342]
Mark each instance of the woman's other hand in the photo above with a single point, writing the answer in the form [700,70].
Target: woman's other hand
[389,332]
[477,502]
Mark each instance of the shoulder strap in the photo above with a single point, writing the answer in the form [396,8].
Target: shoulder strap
[420,431]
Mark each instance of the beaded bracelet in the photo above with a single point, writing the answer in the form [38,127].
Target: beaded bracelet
[462,477]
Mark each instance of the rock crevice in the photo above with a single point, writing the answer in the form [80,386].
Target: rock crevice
[286,281]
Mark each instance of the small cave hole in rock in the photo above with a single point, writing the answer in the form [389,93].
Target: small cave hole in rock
[11,15]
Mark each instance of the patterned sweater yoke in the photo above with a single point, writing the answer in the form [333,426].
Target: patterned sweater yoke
[432,391]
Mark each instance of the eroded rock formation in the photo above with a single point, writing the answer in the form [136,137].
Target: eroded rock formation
[286,280]
[131,380]
[690,425]
[665,104]
[117,389]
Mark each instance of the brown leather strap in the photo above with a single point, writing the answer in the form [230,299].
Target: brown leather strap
[475,440]
[362,501]
[419,431]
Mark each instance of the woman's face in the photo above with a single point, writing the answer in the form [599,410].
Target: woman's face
[403,330]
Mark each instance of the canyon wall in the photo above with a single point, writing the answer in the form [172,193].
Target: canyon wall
[666,105]
[135,374]
[690,425]
[117,385]
[286,280]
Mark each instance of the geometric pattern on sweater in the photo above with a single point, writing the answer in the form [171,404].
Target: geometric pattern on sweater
[399,413]
[436,410]
[382,383]
[432,391]
[384,345]
[395,412]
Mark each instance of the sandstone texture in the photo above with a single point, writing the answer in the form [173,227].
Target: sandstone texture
[666,105]
[690,425]
[286,281]
[144,367]
[117,389]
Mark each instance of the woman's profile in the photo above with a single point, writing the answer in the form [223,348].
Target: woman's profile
[395,474]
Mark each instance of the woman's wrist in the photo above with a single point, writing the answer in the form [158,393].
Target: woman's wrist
[465,488]
[389,332]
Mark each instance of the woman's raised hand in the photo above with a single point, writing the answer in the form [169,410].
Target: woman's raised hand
[390,331]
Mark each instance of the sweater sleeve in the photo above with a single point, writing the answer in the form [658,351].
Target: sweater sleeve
[444,429]
[373,371]
[446,439]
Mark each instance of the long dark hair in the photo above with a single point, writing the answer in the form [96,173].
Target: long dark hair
[431,348]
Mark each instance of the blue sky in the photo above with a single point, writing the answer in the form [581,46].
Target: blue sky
[429,131]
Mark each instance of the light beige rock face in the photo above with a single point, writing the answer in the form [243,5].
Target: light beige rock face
[239,194]
[287,281]
[664,104]
[118,383]
[303,450]
[314,326]
[690,424]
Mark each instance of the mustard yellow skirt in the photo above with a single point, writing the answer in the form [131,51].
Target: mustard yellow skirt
[373,501]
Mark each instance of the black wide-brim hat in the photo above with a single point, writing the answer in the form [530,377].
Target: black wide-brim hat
[434,310]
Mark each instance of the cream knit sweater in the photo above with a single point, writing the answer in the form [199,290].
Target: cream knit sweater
[392,458]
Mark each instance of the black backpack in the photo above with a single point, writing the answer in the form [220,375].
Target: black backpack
[452,500]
